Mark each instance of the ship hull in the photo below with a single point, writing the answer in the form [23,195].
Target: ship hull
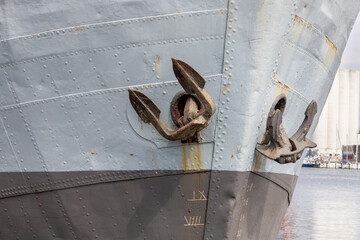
[143,204]
[76,160]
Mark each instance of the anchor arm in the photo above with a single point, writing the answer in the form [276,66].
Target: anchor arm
[193,83]
[194,120]
[300,135]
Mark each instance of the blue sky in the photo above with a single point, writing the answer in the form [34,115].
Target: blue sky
[351,55]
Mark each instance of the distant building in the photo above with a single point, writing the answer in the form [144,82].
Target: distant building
[349,153]
[339,121]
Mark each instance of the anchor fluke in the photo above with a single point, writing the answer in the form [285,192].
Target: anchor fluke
[276,145]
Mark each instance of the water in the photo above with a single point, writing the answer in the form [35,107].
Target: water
[325,205]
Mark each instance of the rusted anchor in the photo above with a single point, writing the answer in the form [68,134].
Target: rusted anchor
[196,112]
[276,145]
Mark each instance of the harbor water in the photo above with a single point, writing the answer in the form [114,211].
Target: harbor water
[325,205]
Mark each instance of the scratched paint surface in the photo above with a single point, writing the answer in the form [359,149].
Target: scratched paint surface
[64,105]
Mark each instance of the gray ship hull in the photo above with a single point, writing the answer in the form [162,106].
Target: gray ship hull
[77,162]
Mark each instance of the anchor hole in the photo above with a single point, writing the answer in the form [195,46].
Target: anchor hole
[280,104]
[178,105]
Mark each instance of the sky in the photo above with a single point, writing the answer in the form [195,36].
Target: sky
[351,55]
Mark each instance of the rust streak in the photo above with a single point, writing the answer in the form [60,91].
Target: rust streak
[191,159]
[259,160]
[286,89]
[329,42]
[278,89]
[310,26]
[302,21]
[198,156]
[281,87]
[93,153]
[157,61]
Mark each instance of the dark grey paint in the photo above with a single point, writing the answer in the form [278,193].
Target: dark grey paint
[145,207]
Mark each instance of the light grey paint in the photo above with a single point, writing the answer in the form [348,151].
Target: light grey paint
[58,103]
[291,47]
[24,17]
[58,85]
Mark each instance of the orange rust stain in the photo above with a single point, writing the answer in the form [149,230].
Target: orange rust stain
[198,156]
[332,49]
[281,87]
[157,62]
[301,21]
[278,89]
[225,90]
[93,153]
[221,11]
[331,44]
[310,26]
[286,89]
[258,162]
[232,155]
[191,159]
[131,154]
